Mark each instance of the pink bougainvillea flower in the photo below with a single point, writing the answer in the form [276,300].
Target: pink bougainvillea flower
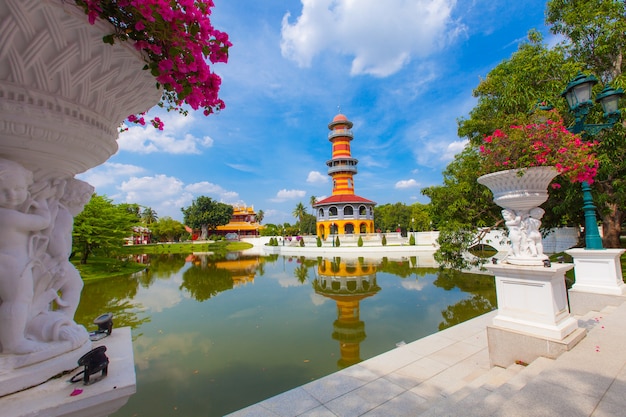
[544,143]
[179,44]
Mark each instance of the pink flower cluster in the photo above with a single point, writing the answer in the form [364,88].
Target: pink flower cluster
[543,141]
[178,41]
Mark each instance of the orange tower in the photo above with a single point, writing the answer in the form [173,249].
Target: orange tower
[343,212]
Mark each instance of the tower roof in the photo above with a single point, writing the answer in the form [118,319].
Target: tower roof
[343,198]
[340,119]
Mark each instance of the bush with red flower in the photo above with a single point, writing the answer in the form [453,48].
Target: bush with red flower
[540,140]
[178,43]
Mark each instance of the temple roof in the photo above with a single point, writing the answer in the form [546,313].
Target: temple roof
[343,198]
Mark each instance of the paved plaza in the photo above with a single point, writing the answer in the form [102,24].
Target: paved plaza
[448,374]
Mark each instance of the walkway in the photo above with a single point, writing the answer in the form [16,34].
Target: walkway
[448,374]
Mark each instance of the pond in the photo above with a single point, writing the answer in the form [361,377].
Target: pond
[213,334]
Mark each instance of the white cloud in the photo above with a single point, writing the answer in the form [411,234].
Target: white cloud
[381,37]
[453,148]
[167,195]
[204,187]
[315,177]
[173,139]
[407,184]
[109,173]
[284,195]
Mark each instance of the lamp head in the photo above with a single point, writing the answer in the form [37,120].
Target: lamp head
[578,91]
[609,99]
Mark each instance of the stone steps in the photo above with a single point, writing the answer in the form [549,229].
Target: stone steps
[485,394]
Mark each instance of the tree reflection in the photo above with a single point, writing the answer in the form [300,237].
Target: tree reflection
[482,300]
[115,297]
[205,280]
[161,266]
[405,268]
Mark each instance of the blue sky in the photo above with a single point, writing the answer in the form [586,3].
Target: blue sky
[402,71]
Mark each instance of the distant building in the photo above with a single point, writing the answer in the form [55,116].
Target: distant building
[242,223]
[141,236]
[343,212]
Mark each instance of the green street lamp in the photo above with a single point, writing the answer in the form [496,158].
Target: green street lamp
[578,96]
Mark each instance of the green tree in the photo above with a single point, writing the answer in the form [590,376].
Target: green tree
[102,227]
[312,202]
[388,217]
[206,214]
[594,32]
[420,217]
[259,216]
[167,229]
[509,91]
[149,216]
[299,212]
[307,224]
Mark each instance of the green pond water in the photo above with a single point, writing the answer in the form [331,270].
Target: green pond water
[214,334]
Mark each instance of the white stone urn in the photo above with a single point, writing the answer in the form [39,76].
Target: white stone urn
[520,192]
[63,95]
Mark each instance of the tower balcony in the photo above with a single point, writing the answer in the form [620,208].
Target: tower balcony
[340,133]
[342,168]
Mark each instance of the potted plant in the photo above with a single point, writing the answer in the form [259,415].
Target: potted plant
[522,160]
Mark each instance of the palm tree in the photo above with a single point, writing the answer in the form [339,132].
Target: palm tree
[259,216]
[312,202]
[299,212]
[149,216]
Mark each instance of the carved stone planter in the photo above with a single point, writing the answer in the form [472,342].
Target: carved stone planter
[520,192]
[63,95]
[63,92]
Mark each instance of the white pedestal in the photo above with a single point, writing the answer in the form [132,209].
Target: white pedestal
[598,271]
[101,398]
[533,300]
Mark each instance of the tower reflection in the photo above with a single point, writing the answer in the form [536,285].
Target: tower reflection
[347,282]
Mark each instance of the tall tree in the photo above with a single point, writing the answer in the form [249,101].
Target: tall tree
[594,32]
[312,202]
[299,212]
[259,216]
[102,226]
[509,91]
[149,216]
[168,229]
[206,214]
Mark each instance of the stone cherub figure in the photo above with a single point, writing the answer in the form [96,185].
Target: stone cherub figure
[20,216]
[39,288]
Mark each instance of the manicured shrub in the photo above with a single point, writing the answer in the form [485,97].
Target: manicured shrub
[412,240]
[360,242]
[319,242]
[337,241]
[384,240]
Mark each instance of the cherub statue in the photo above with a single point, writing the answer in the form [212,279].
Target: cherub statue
[20,216]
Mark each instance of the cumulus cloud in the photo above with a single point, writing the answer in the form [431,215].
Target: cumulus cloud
[453,148]
[109,173]
[167,195]
[173,139]
[381,37]
[284,195]
[316,177]
[403,184]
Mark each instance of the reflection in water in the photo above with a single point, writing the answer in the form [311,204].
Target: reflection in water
[213,334]
[209,275]
[483,299]
[116,298]
[347,282]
